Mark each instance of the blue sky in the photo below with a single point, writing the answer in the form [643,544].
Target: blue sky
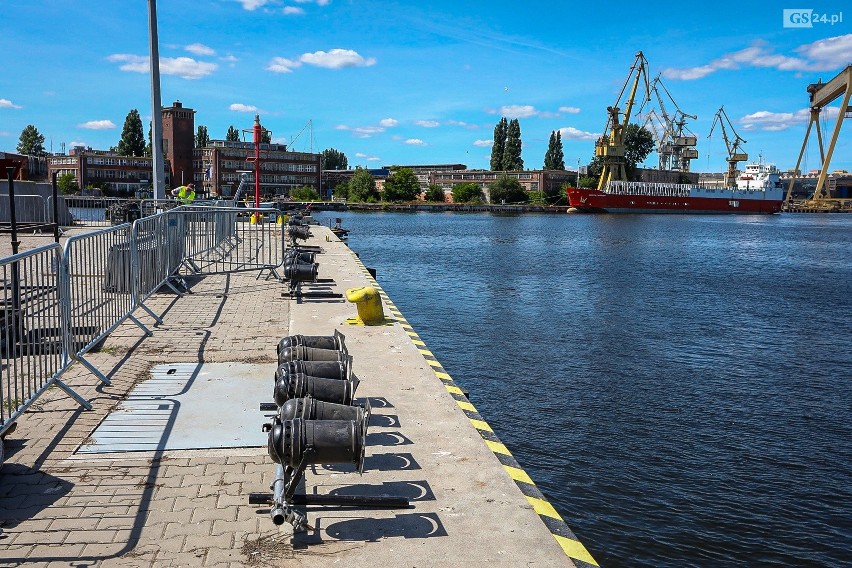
[417,82]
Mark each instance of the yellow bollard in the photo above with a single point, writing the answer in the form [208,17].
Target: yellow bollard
[369,305]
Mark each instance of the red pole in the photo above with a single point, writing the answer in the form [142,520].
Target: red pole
[257,137]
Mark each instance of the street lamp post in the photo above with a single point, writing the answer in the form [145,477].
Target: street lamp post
[156,106]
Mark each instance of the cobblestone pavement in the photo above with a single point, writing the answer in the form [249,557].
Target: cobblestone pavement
[183,508]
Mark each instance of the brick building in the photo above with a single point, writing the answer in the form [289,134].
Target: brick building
[531,180]
[122,175]
[217,168]
[179,141]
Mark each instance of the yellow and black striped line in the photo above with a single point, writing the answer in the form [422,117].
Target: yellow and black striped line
[569,543]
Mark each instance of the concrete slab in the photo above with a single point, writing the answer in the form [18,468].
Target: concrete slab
[186,406]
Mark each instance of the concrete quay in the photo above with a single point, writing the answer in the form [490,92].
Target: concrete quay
[71,496]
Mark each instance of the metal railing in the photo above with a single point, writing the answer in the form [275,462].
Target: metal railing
[62,301]
[33,330]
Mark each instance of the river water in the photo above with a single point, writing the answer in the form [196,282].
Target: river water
[679,387]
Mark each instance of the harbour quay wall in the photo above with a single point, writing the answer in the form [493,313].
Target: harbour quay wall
[471,502]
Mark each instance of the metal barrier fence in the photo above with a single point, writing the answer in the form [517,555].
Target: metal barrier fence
[61,302]
[232,240]
[30,211]
[99,286]
[34,331]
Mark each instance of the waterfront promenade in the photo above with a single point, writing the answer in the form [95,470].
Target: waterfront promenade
[71,492]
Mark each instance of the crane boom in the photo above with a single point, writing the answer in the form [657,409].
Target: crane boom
[735,155]
[610,147]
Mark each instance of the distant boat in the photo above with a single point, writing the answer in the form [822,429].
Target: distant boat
[758,190]
[339,231]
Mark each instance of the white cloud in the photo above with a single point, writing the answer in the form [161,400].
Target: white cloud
[428,123]
[293,11]
[415,142]
[336,59]
[75,143]
[518,111]
[367,157]
[822,55]
[184,67]
[239,107]
[483,143]
[571,133]
[6,103]
[777,121]
[200,49]
[253,4]
[361,131]
[569,110]
[463,124]
[97,125]
[318,2]
[388,122]
[282,65]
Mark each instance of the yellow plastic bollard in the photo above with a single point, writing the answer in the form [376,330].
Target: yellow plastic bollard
[369,305]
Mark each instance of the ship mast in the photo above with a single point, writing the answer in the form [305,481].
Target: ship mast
[610,147]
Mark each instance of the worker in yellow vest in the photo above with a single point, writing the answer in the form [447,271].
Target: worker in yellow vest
[185,193]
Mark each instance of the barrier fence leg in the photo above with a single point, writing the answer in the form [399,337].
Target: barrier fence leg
[73,394]
[94,370]
[147,331]
[152,314]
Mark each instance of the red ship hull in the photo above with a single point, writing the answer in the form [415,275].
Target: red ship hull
[594,201]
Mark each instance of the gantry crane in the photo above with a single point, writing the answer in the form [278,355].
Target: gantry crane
[678,147]
[821,95]
[610,146]
[735,153]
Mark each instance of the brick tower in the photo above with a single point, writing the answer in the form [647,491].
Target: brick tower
[179,141]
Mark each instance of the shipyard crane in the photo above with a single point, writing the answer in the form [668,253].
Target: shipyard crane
[735,153]
[610,146]
[678,148]
[658,129]
[822,94]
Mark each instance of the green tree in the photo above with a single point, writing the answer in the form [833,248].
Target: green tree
[548,156]
[233,135]
[149,146]
[499,145]
[202,139]
[512,161]
[265,136]
[638,143]
[304,193]
[588,181]
[558,153]
[467,192]
[31,142]
[435,193]
[555,196]
[537,198]
[341,191]
[362,187]
[67,183]
[132,141]
[334,160]
[507,190]
[402,185]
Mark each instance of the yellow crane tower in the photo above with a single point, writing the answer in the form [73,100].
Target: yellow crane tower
[821,95]
[610,146]
[735,155]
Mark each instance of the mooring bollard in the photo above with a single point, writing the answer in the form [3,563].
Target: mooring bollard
[369,305]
